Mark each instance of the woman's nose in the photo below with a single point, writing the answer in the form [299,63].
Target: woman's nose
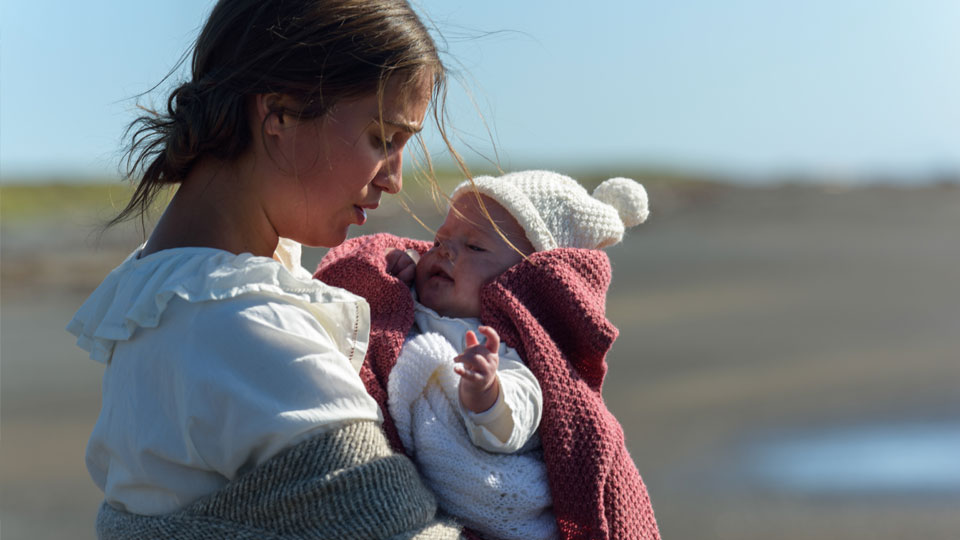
[390,178]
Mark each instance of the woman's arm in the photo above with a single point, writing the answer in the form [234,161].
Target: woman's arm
[263,374]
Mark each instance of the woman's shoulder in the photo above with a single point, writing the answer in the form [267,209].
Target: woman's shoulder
[137,293]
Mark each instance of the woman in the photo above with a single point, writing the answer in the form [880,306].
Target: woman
[232,405]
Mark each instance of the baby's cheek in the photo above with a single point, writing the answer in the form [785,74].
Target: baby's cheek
[418,281]
[421,274]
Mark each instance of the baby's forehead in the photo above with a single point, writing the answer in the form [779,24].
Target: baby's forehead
[467,211]
[473,200]
[477,214]
[482,204]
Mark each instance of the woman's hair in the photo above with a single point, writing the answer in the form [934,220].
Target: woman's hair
[318,52]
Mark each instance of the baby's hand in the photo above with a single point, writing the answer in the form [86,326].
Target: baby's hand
[477,367]
[401,265]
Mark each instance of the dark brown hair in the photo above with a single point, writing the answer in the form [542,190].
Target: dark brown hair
[319,52]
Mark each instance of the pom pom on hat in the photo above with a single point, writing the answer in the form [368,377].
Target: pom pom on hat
[556,211]
[627,196]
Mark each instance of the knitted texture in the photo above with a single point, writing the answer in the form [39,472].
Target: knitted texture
[500,495]
[358,265]
[555,211]
[551,309]
[343,484]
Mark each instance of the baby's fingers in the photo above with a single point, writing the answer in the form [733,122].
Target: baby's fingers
[469,376]
[392,255]
[396,260]
[471,339]
[478,361]
[493,339]
[407,273]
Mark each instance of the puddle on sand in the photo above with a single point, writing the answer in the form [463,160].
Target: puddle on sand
[876,459]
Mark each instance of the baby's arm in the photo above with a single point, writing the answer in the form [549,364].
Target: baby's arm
[477,367]
[513,415]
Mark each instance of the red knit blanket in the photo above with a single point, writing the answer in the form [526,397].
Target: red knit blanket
[550,308]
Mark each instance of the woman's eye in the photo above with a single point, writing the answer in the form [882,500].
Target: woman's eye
[381,144]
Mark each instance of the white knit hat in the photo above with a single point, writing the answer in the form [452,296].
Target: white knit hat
[555,211]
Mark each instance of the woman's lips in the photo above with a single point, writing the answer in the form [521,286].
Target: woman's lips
[361,215]
[361,211]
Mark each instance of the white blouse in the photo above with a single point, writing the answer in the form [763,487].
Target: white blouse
[214,363]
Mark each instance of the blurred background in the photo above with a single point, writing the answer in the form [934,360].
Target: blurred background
[789,315]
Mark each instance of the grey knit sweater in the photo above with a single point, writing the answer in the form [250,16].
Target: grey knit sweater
[343,484]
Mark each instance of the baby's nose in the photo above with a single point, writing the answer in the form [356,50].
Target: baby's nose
[446,251]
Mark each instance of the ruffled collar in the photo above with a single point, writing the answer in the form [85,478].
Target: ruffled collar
[136,293]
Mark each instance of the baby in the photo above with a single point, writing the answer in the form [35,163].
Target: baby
[491,475]
[499,399]
[468,253]
[469,413]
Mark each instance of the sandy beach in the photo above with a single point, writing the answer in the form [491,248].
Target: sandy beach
[788,364]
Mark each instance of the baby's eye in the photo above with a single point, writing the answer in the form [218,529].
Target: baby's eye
[474,247]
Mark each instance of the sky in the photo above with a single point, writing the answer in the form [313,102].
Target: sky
[748,88]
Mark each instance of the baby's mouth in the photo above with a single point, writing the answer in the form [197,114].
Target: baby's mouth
[441,274]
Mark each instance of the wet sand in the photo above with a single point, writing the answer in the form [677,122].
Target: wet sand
[748,317]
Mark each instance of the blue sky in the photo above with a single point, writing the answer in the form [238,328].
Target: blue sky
[744,87]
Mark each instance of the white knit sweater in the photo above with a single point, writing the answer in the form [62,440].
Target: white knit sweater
[504,495]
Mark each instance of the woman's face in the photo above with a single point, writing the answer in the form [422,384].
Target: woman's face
[332,170]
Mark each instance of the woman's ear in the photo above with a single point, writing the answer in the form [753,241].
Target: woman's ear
[271,111]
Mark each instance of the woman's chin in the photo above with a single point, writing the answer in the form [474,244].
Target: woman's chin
[325,241]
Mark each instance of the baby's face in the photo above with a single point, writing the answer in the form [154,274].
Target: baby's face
[467,254]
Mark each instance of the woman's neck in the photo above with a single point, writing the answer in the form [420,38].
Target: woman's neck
[216,206]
